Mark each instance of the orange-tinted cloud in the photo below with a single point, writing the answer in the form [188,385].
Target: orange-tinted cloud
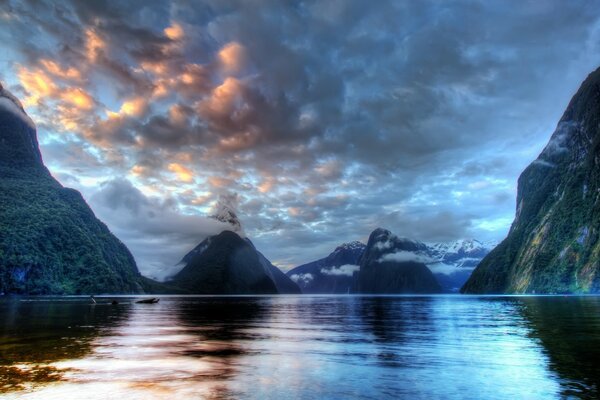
[266,186]
[93,44]
[238,142]
[139,170]
[158,68]
[134,107]
[61,72]
[225,97]
[218,182]
[178,115]
[232,57]
[40,85]
[174,32]
[78,98]
[37,84]
[202,200]
[184,174]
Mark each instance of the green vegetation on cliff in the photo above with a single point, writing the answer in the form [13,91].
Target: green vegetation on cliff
[553,245]
[50,240]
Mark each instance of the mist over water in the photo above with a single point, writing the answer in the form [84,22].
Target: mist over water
[306,347]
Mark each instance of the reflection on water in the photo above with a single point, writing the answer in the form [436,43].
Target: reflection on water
[301,347]
[569,330]
[35,334]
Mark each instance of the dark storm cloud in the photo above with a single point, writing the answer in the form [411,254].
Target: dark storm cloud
[327,118]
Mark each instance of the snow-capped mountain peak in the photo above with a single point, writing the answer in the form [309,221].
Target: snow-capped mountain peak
[224,211]
[355,245]
[460,248]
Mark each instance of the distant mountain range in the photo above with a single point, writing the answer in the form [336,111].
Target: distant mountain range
[332,274]
[451,263]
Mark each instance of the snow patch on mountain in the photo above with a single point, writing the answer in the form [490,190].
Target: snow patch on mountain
[453,262]
[350,246]
[463,253]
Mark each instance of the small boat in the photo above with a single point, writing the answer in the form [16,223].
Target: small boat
[148,301]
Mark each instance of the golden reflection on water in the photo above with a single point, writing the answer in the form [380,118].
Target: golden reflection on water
[129,351]
[298,347]
[22,377]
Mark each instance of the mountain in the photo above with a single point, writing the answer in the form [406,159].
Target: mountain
[552,245]
[225,212]
[450,262]
[463,253]
[332,274]
[453,262]
[50,240]
[228,264]
[391,265]
[282,282]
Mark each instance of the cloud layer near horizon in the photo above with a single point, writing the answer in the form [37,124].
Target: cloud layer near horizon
[325,119]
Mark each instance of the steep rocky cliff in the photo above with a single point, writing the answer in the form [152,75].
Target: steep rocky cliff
[553,245]
[50,240]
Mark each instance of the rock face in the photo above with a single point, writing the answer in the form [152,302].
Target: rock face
[393,265]
[227,264]
[282,282]
[50,240]
[553,245]
[333,274]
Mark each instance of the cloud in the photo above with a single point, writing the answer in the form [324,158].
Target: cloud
[154,229]
[232,57]
[327,119]
[174,32]
[8,102]
[302,278]
[544,163]
[342,270]
[405,256]
[558,142]
[428,224]
[184,174]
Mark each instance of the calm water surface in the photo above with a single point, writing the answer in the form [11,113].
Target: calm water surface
[301,347]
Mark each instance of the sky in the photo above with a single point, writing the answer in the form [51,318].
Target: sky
[319,121]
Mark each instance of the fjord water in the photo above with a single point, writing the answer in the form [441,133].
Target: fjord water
[301,347]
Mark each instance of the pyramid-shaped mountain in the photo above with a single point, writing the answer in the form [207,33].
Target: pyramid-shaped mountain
[229,264]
